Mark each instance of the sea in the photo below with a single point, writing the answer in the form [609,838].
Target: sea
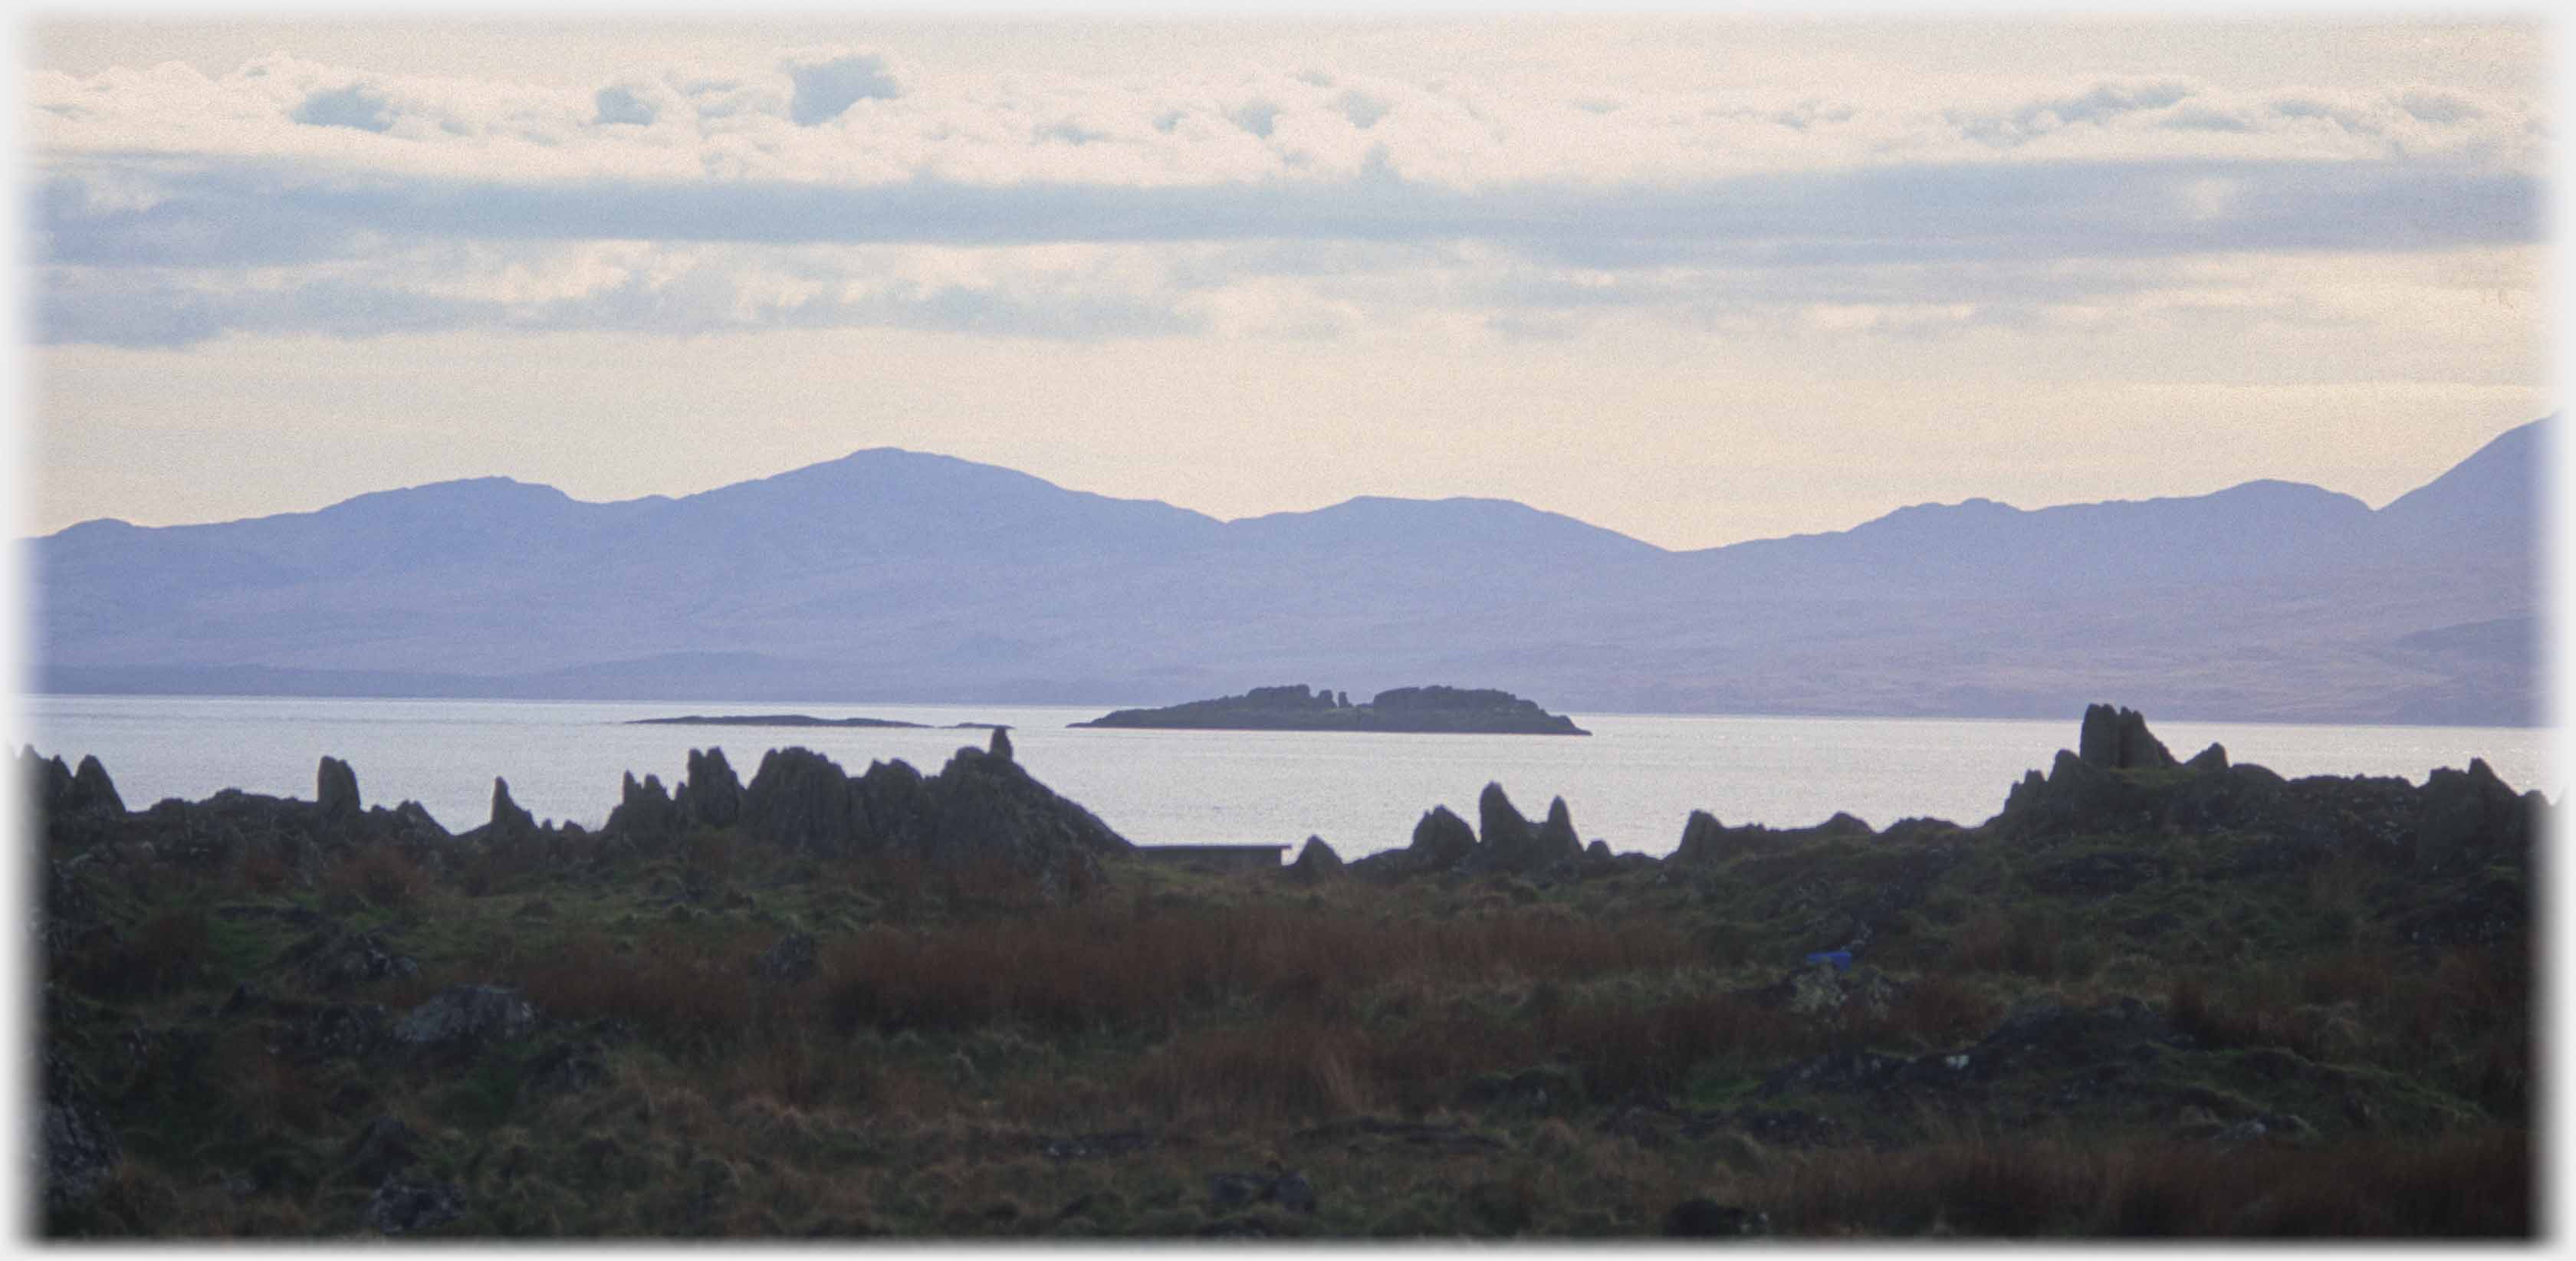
[1632,782]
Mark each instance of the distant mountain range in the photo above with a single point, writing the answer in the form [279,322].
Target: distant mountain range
[902,577]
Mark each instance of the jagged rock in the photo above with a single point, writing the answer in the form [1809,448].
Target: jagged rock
[335,790]
[644,810]
[1316,862]
[79,1145]
[890,807]
[1703,839]
[2464,813]
[792,959]
[712,797]
[987,811]
[48,780]
[380,1149]
[1501,831]
[800,799]
[508,817]
[408,1208]
[1556,838]
[2117,739]
[1441,839]
[91,790]
[1001,746]
[466,1019]
[1843,824]
[2213,758]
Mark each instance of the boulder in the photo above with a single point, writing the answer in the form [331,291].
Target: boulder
[1001,746]
[1315,863]
[2118,739]
[465,1020]
[712,797]
[335,791]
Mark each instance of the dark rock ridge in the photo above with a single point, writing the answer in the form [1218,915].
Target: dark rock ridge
[1508,843]
[2124,781]
[2118,738]
[1296,707]
[767,720]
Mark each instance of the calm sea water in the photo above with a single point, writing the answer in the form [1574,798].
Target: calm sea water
[1631,783]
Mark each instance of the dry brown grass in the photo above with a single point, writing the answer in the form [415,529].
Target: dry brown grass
[379,874]
[2462,1185]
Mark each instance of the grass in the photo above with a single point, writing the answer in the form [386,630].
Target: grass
[1479,1057]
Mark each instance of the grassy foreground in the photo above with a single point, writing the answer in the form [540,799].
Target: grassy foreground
[2052,1027]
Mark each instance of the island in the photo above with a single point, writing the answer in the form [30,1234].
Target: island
[794,720]
[1296,707]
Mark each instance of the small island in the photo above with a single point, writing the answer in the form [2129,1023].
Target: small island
[1447,710]
[782,720]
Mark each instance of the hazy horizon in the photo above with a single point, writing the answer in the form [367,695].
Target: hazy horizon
[1695,281]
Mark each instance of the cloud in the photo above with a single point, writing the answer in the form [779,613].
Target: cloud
[2097,105]
[621,105]
[827,88]
[356,105]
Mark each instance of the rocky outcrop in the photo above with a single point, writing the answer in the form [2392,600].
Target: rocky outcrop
[79,1146]
[1703,839]
[2470,816]
[645,810]
[464,1021]
[712,794]
[1316,863]
[56,790]
[986,811]
[1001,746]
[2118,739]
[1510,844]
[335,791]
[801,799]
[1441,839]
[509,818]
[93,790]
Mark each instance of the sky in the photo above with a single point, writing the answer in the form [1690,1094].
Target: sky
[1697,281]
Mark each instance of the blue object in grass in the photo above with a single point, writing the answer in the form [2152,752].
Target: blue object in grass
[1841,959]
